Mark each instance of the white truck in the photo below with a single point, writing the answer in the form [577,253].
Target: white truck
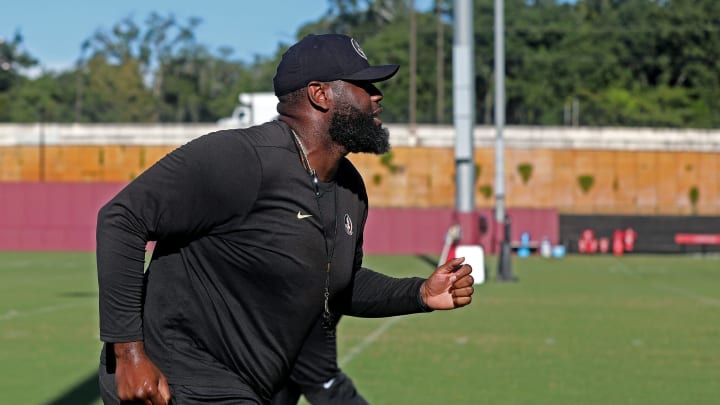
[253,109]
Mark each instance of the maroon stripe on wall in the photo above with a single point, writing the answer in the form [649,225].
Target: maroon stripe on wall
[422,230]
[51,216]
[62,217]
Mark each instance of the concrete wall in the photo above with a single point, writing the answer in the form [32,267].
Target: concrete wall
[634,171]
[436,136]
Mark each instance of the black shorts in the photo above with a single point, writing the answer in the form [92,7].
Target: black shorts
[339,390]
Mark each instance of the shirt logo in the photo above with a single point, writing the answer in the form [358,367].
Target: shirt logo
[300,215]
[348,225]
[328,383]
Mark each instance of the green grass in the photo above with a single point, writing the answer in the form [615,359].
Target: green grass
[580,330]
[48,326]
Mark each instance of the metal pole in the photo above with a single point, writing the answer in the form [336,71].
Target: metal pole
[41,151]
[413,75]
[464,105]
[504,263]
[499,112]
[440,61]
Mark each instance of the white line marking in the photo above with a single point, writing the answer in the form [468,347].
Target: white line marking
[17,264]
[368,340]
[689,294]
[664,287]
[14,314]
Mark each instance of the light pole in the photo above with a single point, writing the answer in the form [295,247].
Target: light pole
[412,107]
[501,218]
[464,120]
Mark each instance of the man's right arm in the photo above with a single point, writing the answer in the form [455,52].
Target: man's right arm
[181,197]
[124,226]
[184,195]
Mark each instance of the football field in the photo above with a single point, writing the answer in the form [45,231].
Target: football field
[579,330]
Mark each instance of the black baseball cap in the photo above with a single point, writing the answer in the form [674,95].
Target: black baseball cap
[325,58]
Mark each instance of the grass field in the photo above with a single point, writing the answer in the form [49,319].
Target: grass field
[580,330]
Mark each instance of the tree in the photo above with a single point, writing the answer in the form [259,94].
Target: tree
[47,98]
[627,62]
[149,49]
[362,18]
[13,59]
[116,92]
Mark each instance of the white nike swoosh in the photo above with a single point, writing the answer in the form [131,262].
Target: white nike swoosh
[328,384]
[300,215]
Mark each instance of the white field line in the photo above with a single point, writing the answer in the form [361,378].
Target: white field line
[368,340]
[14,314]
[689,294]
[17,264]
[702,299]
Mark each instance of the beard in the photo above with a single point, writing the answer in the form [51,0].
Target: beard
[357,132]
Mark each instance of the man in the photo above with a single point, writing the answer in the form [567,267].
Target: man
[259,234]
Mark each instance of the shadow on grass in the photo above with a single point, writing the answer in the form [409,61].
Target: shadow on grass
[85,392]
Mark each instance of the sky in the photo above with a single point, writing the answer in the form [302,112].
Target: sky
[53,30]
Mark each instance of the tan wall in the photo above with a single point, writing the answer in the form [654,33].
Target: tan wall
[77,163]
[625,182]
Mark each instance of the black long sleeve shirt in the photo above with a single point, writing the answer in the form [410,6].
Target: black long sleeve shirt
[238,273]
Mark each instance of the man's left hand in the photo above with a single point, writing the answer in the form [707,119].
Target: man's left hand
[450,286]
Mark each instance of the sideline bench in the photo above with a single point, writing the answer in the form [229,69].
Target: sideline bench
[702,239]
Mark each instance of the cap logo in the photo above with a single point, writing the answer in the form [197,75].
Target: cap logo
[357,48]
